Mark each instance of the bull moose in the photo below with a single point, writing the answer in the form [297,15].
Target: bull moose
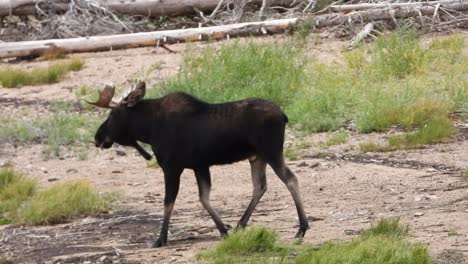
[187,133]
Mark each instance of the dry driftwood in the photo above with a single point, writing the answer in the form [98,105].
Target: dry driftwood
[152,8]
[124,41]
[366,31]
[364,6]
[334,19]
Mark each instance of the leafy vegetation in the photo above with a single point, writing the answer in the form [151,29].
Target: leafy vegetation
[383,243]
[21,202]
[13,77]
[395,82]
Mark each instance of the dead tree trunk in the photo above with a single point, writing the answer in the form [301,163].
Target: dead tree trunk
[365,6]
[383,14]
[152,8]
[124,41]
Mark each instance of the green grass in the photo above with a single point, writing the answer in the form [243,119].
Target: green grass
[5,221]
[64,201]
[383,243]
[251,245]
[465,175]
[15,189]
[393,82]
[6,260]
[62,128]
[22,202]
[337,138]
[13,77]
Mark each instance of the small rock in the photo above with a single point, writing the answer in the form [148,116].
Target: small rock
[204,230]
[52,179]
[116,171]
[44,170]
[352,178]
[351,232]
[120,153]
[314,218]
[72,171]
[315,164]
[302,164]
[418,214]
[87,262]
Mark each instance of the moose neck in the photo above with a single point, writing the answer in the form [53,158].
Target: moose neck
[141,121]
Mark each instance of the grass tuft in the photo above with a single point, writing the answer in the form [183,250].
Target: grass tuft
[373,249]
[383,243]
[12,77]
[246,245]
[390,227]
[54,54]
[15,189]
[6,260]
[337,138]
[20,202]
[64,201]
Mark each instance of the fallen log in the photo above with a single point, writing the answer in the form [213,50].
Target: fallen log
[105,43]
[383,14]
[144,39]
[151,8]
[366,31]
[365,6]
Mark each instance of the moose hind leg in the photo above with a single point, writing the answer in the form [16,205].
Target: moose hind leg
[258,167]
[291,182]
[204,188]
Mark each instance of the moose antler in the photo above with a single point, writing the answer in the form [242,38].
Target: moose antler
[105,98]
[135,96]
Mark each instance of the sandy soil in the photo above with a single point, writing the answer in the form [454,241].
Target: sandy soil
[343,191]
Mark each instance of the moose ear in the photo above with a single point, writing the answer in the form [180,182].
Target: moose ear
[136,95]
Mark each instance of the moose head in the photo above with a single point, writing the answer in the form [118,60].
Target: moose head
[116,128]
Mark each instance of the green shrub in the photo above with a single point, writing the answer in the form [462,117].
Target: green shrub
[395,83]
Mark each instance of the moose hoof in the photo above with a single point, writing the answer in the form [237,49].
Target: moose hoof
[158,243]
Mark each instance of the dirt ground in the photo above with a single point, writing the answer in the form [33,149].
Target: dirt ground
[344,191]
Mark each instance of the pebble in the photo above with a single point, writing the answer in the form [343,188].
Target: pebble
[418,214]
[52,179]
[204,230]
[302,164]
[120,153]
[72,171]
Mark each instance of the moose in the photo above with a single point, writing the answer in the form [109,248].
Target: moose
[187,133]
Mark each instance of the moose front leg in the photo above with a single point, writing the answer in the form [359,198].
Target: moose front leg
[171,182]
